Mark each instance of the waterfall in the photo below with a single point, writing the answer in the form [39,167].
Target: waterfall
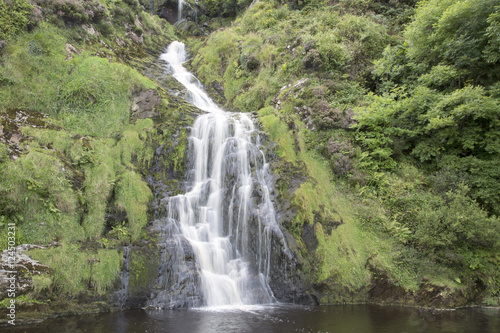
[180,5]
[226,218]
[122,293]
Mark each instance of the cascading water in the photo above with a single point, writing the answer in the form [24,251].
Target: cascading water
[226,220]
[180,6]
[122,294]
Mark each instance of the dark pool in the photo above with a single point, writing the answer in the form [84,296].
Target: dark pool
[280,318]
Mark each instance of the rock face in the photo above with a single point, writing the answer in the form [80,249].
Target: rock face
[145,104]
[178,281]
[11,123]
[288,280]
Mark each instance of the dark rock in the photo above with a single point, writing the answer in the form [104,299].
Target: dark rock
[190,28]
[312,60]
[252,63]
[308,46]
[177,284]
[145,104]
[309,238]
[219,89]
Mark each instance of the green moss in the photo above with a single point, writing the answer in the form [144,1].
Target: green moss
[41,201]
[133,195]
[143,263]
[279,133]
[342,253]
[76,271]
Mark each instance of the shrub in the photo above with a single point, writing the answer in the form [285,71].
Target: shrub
[14,17]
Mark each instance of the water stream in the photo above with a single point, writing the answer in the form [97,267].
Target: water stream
[226,216]
[180,6]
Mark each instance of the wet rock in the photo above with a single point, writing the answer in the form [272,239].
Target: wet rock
[143,268]
[219,89]
[190,28]
[178,282]
[287,279]
[309,238]
[145,104]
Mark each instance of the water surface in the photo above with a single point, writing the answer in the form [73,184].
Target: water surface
[279,319]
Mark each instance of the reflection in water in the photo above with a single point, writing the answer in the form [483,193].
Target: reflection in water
[279,319]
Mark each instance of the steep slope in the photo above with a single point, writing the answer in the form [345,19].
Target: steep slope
[372,219]
[87,143]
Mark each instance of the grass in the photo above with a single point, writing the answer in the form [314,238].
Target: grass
[87,94]
[60,188]
[344,253]
[86,158]
[133,195]
[72,274]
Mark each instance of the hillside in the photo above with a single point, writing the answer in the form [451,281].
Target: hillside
[393,131]
[382,125]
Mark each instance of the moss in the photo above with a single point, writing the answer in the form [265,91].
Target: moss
[143,265]
[41,201]
[343,245]
[133,195]
[75,272]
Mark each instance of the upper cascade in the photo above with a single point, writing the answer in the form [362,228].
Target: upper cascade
[227,215]
[175,57]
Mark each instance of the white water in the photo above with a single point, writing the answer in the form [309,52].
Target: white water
[227,215]
[180,5]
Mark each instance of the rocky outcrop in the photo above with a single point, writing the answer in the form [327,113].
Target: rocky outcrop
[11,123]
[17,268]
[145,105]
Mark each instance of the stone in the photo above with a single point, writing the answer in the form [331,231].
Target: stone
[136,39]
[22,267]
[145,104]
[70,51]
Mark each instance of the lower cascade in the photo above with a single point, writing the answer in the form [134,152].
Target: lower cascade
[217,236]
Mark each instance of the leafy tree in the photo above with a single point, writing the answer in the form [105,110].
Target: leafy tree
[440,95]
[462,34]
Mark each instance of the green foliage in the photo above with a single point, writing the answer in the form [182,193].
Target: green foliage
[14,17]
[455,221]
[224,8]
[40,199]
[456,33]
[74,11]
[88,94]
[262,53]
[76,271]
[342,252]
[133,195]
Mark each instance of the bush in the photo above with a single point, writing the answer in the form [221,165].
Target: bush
[14,17]
[454,221]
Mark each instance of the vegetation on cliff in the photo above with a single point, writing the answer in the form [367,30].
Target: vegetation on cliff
[78,133]
[401,116]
